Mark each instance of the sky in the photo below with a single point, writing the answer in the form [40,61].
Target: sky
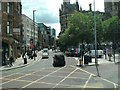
[47,11]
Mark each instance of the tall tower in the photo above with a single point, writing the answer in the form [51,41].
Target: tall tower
[77,5]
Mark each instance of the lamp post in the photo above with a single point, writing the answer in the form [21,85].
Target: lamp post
[34,54]
[96,61]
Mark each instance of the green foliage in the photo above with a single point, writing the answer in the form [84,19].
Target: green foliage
[81,29]
[111,29]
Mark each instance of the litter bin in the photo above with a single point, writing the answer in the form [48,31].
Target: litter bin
[90,59]
[86,59]
[25,60]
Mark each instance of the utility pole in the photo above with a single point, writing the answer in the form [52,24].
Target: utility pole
[34,54]
[96,61]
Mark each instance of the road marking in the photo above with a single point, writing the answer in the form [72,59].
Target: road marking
[63,79]
[41,78]
[17,78]
[115,84]
[83,70]
[10,75]
[87,82]
[96,75]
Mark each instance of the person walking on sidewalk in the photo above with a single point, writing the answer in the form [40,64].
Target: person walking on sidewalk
[11,60]
[110,53]
[105,52]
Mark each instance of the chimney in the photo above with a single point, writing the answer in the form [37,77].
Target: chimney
[90,7]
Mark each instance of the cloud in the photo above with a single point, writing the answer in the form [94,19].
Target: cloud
[47,17]
[47,10]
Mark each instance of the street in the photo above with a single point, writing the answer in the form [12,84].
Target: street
[42,74]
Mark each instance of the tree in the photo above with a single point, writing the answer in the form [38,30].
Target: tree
[81,29]
[111,29]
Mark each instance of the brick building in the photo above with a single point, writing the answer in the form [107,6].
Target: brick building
[11,14]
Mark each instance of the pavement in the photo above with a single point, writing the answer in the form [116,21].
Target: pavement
[102,60]
[19,62]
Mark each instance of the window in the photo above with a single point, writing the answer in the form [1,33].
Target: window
[8,27]
[0,5]
[0,27]
[8,7]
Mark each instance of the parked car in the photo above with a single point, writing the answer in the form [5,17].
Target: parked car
[70,53]
[99,53]
[45,53]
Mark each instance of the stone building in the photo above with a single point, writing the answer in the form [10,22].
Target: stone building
[112,8]
[11,33]
[28,30]
[67,9]
[46,36]
[53,37]
[43,35]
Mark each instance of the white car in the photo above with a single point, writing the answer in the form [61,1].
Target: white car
[45,53]
[99,53]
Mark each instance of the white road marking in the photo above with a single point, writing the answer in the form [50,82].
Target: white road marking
[115,84]
[64,79]
[83,70]
[41,78]
[87,82]
[9,75]
[17,78]
[96,75]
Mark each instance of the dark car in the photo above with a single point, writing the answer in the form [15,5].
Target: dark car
[70,53]
[59,60]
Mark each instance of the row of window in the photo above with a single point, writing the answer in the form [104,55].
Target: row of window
[0,5]
[0,17]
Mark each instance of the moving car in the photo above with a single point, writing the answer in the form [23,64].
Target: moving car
[59,60]
[45,53]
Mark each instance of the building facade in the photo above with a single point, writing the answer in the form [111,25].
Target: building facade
[112,8]
[28,30]
[43,35]
[46,36]
[66,11]
[53,37]
[9,30]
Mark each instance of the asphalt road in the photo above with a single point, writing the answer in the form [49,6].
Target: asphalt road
[42,74]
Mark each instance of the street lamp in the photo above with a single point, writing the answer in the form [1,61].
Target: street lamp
[96,61]
[34,54]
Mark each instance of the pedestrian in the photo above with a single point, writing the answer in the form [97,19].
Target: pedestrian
[119,50]
[110,54]
[105,53]
[6,59]
[11,60]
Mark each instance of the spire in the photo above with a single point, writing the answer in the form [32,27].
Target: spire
[77,5]
[90,7]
